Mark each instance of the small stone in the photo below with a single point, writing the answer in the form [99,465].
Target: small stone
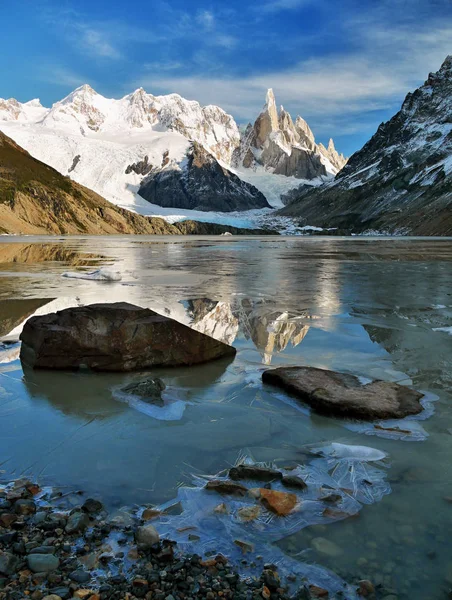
[292,481]
[248,513]
[25,507]
[8,563]
[318,592]
[150,513]
[366,588]
[281,503]
[326,547]
[226,487]
[92,506]
[84,594]
[221,509]
[244,546]
[78,521]
[42,563]
[7,519]
[266,593]
[255,473]
[52,597]
[80,576]
[147,536]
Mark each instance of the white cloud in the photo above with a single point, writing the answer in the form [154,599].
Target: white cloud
[338,89]
[97,42]
[280,5]
[206,19]
[58,75]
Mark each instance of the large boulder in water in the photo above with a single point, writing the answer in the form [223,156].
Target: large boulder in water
[342,395]
[114,337]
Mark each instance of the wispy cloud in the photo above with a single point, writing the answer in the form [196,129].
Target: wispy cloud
[96,41]
[206,19]
[329,88]
[61,76]
[274,6]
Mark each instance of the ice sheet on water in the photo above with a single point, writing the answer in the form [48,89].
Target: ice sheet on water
[98,275]
[172,409]
[340,480]
[408,429]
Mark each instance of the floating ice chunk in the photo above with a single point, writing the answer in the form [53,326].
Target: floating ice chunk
[362,453]
[98,275]
[444,329]
[408,429]
[171,409]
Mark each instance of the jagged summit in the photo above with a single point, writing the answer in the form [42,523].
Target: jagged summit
[278,144]
[402,177]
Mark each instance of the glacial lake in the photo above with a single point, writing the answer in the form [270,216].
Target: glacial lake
[377,308]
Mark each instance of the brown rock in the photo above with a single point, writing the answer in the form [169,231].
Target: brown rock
[150,513]
[114,337]
[292,481]
[7,519]
[227,487]
[248,513]
[221,509]
[281,503]
[84,594]
[318,592]
[266,593]
[366,588]
[343,395]
[244,546]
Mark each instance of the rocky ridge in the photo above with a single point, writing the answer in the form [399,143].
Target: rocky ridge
[401,180]
[200,183]
[110,145]
[36,199]
[284,147]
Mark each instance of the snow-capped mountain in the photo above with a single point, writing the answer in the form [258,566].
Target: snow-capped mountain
[111,145]
[278,144]
[84,111]
[401,180]
[28,112]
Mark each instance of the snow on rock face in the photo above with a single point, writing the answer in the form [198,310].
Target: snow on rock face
[85,111]
[12,110]
[401,179]
[200,182]
[284,147]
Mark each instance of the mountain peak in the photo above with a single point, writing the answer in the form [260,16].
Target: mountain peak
[270,98]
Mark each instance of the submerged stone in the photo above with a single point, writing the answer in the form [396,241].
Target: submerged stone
[342,395]
[149,390]
[254,472]
[281,503]
[227,487]
[114,337]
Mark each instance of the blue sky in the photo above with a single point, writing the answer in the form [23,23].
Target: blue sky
[344,66]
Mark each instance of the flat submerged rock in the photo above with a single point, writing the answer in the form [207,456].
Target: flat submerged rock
[114,337]
[343,395]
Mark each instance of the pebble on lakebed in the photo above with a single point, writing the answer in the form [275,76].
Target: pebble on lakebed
[52,552]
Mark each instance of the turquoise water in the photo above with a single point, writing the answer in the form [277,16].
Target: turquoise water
[366,306]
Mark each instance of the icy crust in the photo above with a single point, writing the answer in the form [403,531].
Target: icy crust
[408,429]
[98,275]
[355,474]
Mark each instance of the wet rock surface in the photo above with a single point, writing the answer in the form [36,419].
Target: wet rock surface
[102,562]
[342,395]
[114,337]
[149,390]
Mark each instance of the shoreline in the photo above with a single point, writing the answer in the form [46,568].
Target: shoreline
[57,546]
